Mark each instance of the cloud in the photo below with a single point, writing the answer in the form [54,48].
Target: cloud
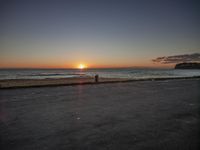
[195,57]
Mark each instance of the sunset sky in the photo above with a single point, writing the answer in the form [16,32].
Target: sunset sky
[97,33]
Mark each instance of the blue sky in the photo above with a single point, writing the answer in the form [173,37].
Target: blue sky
[99,33]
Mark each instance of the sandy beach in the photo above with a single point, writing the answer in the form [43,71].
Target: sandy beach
[120,116]
[25,83]
[17,83]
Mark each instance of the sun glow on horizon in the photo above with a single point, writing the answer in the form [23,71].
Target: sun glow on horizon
[82,66]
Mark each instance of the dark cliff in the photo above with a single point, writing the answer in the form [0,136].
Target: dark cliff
[188,66]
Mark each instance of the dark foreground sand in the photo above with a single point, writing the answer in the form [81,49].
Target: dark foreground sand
[152,115]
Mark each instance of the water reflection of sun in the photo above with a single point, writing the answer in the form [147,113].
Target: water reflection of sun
[82,66]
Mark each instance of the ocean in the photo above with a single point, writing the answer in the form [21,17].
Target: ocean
[107,73]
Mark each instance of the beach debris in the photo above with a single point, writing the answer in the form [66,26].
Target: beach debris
[96,78]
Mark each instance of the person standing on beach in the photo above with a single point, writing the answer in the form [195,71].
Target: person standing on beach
[96,78]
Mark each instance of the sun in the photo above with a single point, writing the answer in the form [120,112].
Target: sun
[82,66]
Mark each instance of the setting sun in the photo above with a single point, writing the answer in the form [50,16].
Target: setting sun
[81,66]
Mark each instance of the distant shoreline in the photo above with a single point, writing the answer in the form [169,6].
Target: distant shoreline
[29,83]
[191,65]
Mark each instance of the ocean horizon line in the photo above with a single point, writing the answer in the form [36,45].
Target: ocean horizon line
[88,68]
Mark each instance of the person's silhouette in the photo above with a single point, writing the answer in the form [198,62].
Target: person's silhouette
[96,78]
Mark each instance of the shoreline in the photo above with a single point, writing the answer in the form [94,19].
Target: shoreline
[30,83]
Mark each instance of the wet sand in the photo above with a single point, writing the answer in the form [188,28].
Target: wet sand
[21,83]
[25,83]
[141,115]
